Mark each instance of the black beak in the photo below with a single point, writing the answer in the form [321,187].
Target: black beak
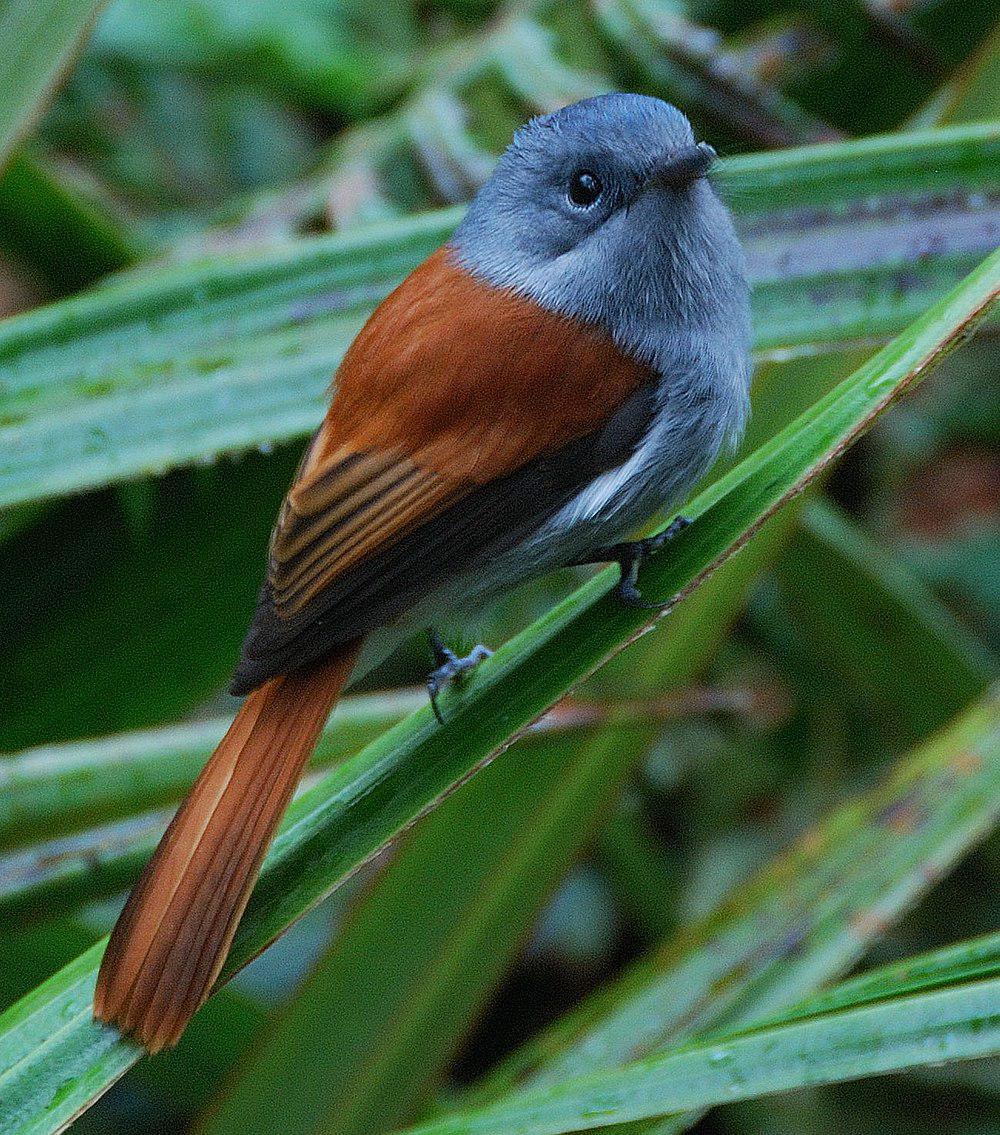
[682,167]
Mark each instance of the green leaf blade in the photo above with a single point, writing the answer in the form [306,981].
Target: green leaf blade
[798,922]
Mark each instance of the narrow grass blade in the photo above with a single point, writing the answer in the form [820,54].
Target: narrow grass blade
[344,820]
[845,242]
[165,368]
[971,960]
[857,1037]
[39,38]
[798,922]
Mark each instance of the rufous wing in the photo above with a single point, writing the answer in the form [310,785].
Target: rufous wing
[461,414]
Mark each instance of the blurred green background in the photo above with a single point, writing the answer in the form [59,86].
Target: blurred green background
[216,132]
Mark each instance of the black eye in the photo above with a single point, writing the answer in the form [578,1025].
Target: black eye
[584,188]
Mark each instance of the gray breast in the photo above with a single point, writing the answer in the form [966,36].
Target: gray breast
[701,407]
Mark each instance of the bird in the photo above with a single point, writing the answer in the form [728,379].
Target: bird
[568,364]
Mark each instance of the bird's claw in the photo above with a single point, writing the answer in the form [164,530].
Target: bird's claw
[629,557]
[450,668]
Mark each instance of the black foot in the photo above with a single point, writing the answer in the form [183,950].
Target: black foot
[450,668]
[629,557]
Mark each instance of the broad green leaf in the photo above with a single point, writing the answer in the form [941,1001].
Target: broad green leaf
[40,38]
[162,369]
[800,921]
[878,627]
[850,1033]
[371,1031]
[55,1060]
[845,241]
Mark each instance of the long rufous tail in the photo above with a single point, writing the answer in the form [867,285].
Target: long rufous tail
[172,938]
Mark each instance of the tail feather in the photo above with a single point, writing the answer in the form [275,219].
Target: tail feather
[172,938]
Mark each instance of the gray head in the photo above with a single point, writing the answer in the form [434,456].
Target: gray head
[602,211]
